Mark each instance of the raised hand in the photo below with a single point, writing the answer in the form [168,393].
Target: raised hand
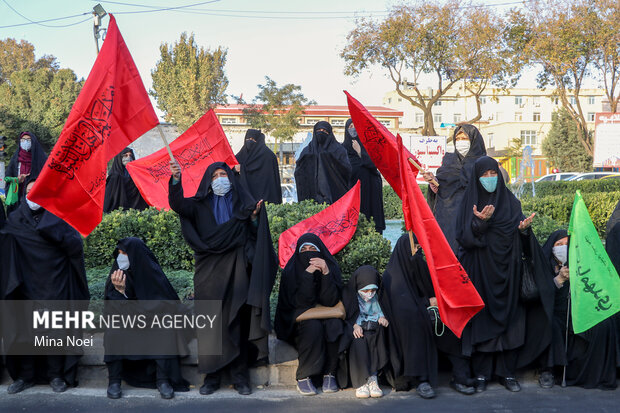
[486,213]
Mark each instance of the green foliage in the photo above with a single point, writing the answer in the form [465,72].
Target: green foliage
[544,189]
[188,80]
[543,226]
[160,230]
[276,110]
[38,101]
[562,145]
[392,205]
[19,55]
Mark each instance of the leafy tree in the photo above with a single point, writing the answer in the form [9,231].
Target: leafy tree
[16,56]
[562,147]
[188,80]
[607,53]
[276,110]
[515,148]
[452,42]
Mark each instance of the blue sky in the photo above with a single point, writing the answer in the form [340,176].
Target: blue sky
[290,41]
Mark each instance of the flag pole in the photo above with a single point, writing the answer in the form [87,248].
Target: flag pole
[163,138]
[411,243]
[566,339]
[417,165]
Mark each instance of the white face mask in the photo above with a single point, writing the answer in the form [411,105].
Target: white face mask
[367,296]
[561,253]
[462,146]
[25,145]
[123,261]
[33,205]
[126,160]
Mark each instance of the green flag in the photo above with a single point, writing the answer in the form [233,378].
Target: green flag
[594,282]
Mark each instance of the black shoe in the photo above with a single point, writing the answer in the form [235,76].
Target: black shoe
[462,388]
[208,388]
[114,391]
[58,385]
[546,380]
[165,390]
[19,385]
[481,384]
[425,390]
[243,389]
[511,384]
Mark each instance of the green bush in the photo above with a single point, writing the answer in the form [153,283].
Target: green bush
[568,188]
[392,205]
[558,207]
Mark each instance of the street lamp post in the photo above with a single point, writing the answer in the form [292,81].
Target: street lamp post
[98,14]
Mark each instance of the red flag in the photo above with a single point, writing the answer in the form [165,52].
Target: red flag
[379,143]
[335,225]
[201,145]
[112,110]
[457,298]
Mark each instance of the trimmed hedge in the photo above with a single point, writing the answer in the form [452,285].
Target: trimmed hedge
[544,189]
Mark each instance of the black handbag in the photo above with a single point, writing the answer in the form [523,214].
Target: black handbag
[529,289]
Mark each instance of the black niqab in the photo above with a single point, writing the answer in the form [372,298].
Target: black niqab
[120,190]
[364,170]
[453,177]
[259,168]
[323,171]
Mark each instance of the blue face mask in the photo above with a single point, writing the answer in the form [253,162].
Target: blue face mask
[489,183]
[221,186]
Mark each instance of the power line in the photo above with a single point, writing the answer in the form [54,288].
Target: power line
[40,22]
[151,10]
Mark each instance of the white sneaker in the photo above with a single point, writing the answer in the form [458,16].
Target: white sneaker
[373,387]
[362,392]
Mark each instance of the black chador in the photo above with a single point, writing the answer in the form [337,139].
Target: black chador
[144,280]
[364,170]
[453,177]
[369,354]
[234,262]
[491,253]
[323,171]
[413,352]
[317,341]
[42,259]
[259,168]
[120,190]
[29,160]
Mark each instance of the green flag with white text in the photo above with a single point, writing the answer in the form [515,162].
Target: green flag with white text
[594,282]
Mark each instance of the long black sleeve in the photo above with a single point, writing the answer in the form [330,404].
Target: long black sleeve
[329,293]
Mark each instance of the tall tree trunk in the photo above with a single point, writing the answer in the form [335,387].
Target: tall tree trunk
[429,126]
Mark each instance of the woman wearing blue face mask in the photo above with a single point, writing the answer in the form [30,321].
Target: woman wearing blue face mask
[493,235]
[234,263]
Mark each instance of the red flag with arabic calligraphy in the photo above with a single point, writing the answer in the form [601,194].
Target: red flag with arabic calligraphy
[379,142]
[197,148]
[457,298]
[335,225]
[112,110]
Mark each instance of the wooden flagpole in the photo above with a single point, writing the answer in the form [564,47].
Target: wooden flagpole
[414,163]
[411,243]
[163,138]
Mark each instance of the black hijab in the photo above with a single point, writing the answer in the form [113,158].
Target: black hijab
[287,311]
[453,177]
[145,279]
[323,171]
[364,170]
[120,190]
[38,157]
[259,168]
[412,347]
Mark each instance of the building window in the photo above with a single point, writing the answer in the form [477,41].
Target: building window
[457,117]
[590,116]
[536,100]
[400,99]
[386,123]
[499,116]
[229,121]
[310,121]
[389,100]
[528,137]
[337,122]
[483,100]
[438,103]
[591,100]
[518,100]
[437,118]
[555,100]
[518,116]
[573,100]
[419,117]
[490,144]
[536,117]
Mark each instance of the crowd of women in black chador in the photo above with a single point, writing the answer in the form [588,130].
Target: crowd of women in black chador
[371,328]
